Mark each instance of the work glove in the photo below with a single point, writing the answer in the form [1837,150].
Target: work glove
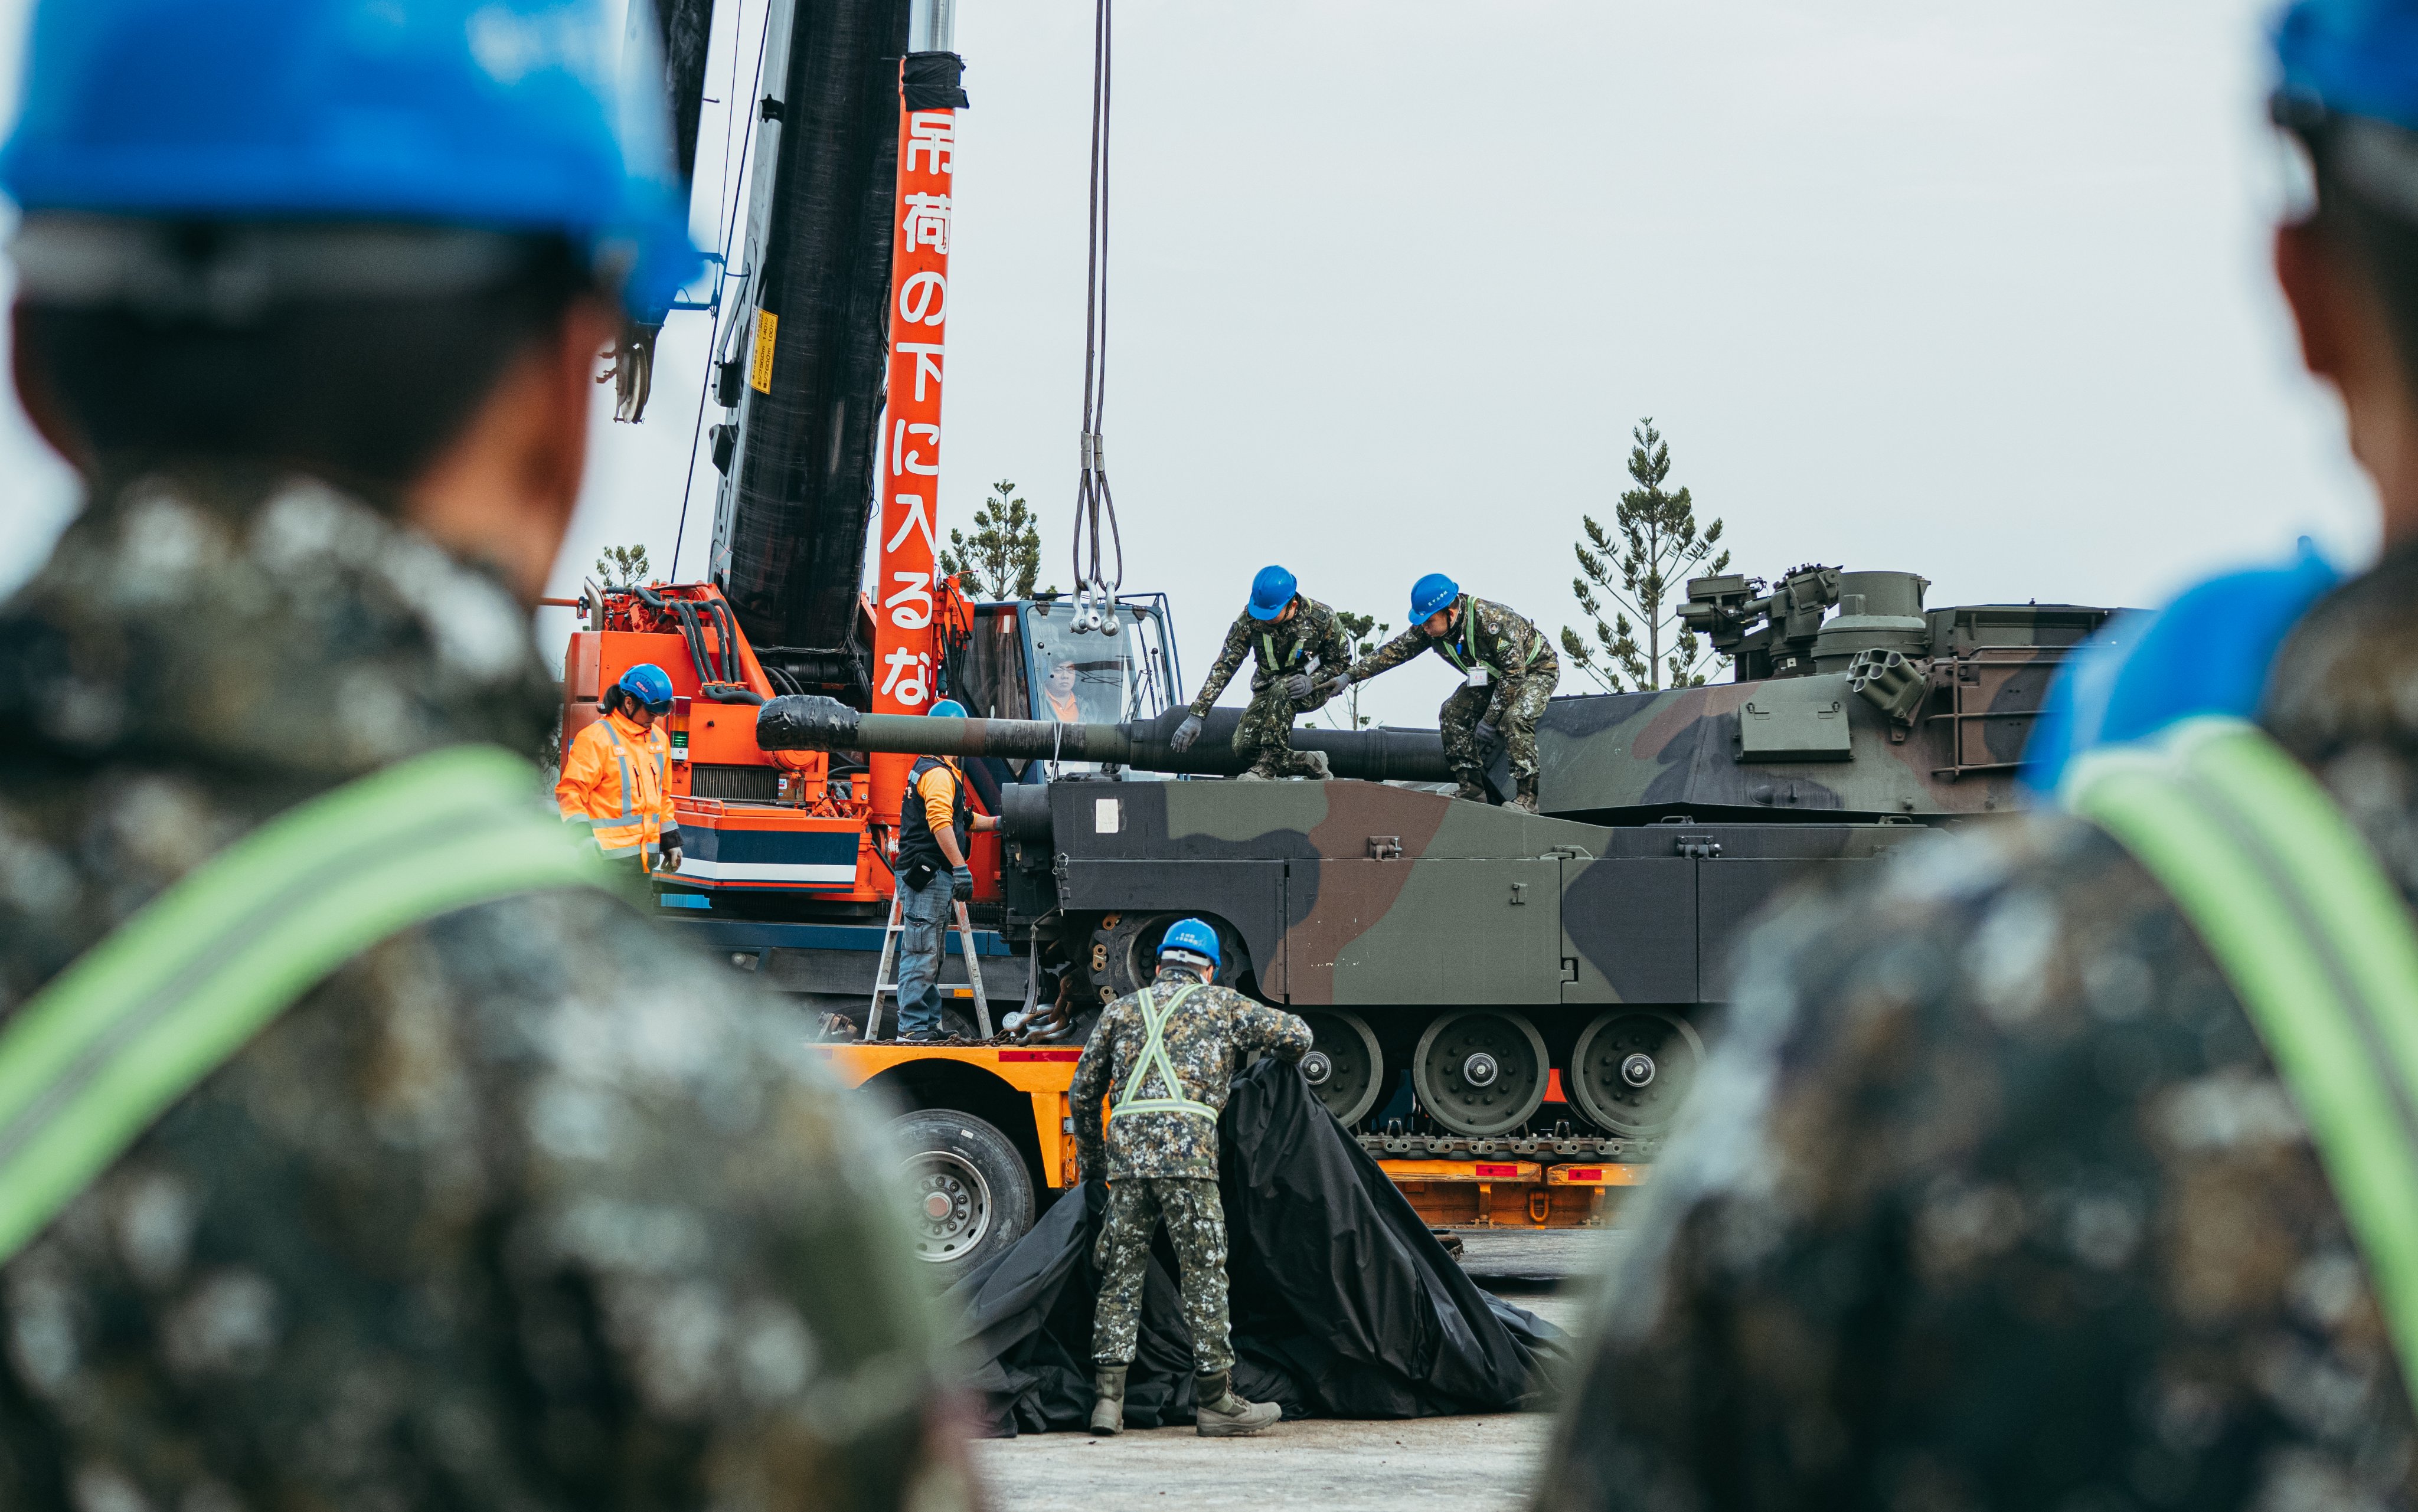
[671,858]
[962,883]
[1297,687]
[1186,734]
[1335,686]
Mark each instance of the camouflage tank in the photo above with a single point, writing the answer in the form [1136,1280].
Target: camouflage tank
[1462,963]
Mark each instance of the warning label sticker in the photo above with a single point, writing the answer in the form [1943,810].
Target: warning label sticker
[759,375]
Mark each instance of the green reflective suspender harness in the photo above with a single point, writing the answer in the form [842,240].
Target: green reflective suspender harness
[1468,620]
[2317,942]
[1270,662]
[140,1019]
[1154,1060]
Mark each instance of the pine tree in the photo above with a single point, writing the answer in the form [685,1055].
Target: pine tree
[1366,634]
[1659,548]
[622,566]
[1002,557]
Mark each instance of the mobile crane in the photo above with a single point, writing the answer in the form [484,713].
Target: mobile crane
[830,431]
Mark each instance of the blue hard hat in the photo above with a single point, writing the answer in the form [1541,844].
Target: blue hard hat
[947,709]
[1193,935]
[2351,57]
[1431,594]
[649,685]
[497,115]
[1270,592]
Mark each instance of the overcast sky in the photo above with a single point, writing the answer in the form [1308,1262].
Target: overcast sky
[1979,293]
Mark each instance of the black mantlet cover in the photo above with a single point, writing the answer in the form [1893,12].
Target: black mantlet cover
[1343,1303]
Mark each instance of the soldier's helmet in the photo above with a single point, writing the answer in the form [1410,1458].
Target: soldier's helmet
[1271,591]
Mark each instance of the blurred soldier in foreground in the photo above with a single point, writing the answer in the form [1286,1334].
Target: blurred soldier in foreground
[1162,1058]
[2014,1184]
[1289,637]
[518,1206]
[1508,670]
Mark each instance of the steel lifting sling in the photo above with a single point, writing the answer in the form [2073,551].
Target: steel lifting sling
[1153,1062]
[2314,939]
[140,1019]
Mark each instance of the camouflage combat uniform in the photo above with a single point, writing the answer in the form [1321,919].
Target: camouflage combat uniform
[1314,641]
[527,1207]
[1994,1198]
[1522,670]
[1166,1161]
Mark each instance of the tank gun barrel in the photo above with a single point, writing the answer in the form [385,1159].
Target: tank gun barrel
[806,722]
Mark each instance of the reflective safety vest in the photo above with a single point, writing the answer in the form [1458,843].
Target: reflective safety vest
[177,991]
[2317,942]
[616,785]
[1456,656]
[1153,1062]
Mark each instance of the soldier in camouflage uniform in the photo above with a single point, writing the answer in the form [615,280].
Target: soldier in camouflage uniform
[1162,1058]
[527,1207]
[1292,638]
[1509,671]
[1994,1196]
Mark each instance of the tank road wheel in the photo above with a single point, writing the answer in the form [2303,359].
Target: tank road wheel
[971,1196]
[1122,953]
[1633,1067]
[1344,1068]
[1480,1072]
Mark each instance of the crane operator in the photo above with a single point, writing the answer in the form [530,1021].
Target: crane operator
[613,775]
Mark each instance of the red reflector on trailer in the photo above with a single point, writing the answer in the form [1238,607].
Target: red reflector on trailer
[1498,1170]
[1583,1173]
[1041,1055]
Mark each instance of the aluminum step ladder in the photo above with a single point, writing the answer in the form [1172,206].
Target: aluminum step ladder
[885,975]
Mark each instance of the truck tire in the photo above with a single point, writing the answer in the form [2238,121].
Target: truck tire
[969,1193]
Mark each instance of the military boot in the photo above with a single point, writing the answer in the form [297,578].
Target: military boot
[1473,792]
[1108,1399]
[1315,766]
[1525,798]
[1219,1411]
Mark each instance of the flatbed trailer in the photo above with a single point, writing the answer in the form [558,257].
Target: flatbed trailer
[994,1143]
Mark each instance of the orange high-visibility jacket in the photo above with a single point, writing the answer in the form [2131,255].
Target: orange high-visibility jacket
[613,781]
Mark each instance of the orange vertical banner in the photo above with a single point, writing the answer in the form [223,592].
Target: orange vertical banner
[905,642]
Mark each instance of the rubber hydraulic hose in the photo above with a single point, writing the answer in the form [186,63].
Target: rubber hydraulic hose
[810,722]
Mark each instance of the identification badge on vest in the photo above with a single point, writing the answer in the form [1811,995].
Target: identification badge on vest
[1476,676]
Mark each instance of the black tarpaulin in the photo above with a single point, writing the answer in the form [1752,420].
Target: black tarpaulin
[1343,1303]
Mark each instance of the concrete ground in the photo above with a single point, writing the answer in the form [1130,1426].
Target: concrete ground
[1471,1464]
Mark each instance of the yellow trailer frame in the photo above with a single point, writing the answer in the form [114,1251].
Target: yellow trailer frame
[1448,1194]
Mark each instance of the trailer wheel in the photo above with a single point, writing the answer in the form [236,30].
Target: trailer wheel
[972,1197]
